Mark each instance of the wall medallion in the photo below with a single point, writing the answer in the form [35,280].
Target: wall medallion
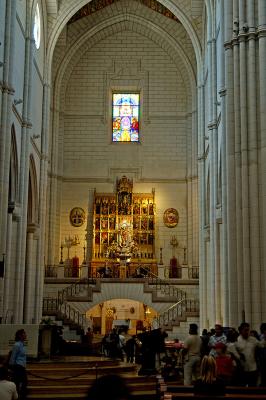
[170,217]
[77,216]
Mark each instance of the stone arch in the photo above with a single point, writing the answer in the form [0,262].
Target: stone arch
[74,6]
[117,291]
[165,41]
[32,193]
[13,172]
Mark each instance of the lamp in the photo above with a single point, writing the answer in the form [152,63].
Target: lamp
[18,101]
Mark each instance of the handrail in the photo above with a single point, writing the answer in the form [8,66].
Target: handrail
[177,310]
[74,289]
[73,315]
[165,286]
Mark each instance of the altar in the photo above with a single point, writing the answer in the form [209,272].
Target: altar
[123,231]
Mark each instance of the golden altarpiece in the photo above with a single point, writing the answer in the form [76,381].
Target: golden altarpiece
[123,232]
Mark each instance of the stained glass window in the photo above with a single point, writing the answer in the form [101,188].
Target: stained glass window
[125,117]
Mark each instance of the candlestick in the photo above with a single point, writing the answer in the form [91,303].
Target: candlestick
[61,254]
[161,256]
[84,254]
[185,256]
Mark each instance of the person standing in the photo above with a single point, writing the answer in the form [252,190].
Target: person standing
[246,346]
[262,355]
[8,389]
[225,364]
[17,363]
[192,349]
[218,337]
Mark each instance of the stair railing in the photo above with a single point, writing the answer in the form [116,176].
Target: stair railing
[74,289]
[177,311]
[164,286]
[64,310]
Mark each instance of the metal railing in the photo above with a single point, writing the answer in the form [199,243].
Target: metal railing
[74,289]
[177,311]
[59,305]
[164,286]
[193,272]
[50,271]
[64,311]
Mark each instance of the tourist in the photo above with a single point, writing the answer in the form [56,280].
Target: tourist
[111,387]
[246,347]
[225,364]
[262,355]
[218,337]
[130,349]
[88,338]
[205,343]
[209,384]
[192,349]
[8,389]
[232,336]
[18,363]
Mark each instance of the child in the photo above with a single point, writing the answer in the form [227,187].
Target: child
[225,364]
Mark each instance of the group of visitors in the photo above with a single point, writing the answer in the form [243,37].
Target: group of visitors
[114,344]
[236,358]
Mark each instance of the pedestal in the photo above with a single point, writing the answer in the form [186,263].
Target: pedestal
[46,341]
[161,271]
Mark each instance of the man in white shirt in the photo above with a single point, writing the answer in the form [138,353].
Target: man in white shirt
[246,346]
[8,389]
[192,349]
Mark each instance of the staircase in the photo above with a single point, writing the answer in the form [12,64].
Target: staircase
[71,380]
[176,307]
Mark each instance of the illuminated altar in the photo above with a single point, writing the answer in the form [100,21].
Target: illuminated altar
[123,232]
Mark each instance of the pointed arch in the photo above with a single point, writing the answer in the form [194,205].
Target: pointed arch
[74,6]
[13,171]
[32,193]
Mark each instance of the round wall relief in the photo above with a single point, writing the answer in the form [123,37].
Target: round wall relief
[77,216]
[170,217]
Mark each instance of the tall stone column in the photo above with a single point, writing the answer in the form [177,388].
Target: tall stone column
[202,199]
[52,255]
[223,229]
[24,174]
[30,271]
[7,273]
[89,229]
[262,117]
[257,294]
[42,202]
[230,319]
[5,117]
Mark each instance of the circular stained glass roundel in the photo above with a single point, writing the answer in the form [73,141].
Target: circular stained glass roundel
[37,27]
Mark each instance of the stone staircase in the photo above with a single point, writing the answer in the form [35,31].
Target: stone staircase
[71,380]
[72,301]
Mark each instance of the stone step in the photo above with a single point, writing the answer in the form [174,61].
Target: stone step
[71,380]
